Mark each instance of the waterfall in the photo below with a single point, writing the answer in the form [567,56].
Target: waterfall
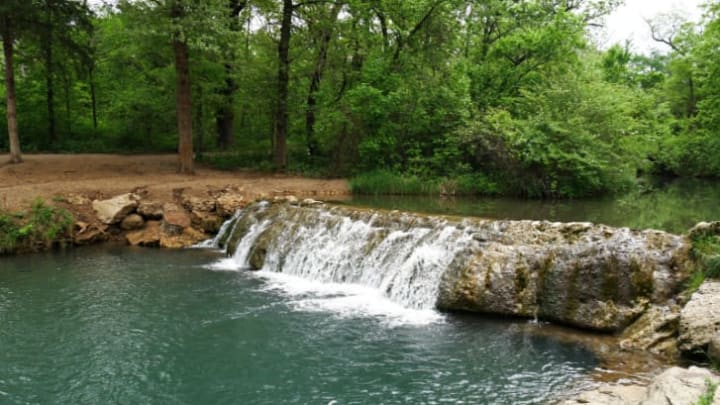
[592,276]
[404,263]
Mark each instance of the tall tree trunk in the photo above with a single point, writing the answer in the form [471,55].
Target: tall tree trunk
[93,99]
[326,36]
[15,154]
[281,122]
[225,117]
[184,106]
[49,82]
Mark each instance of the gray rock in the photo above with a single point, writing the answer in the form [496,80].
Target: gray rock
[714,348]
[700,319]
[150,210]
[115,209]
[704,228]
[675,386]
[132,222]
[679,386]
[655,331]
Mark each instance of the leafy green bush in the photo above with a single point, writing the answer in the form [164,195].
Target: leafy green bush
[386,182]
[40,227]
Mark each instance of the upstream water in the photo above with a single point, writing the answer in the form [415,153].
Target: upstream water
[125,326]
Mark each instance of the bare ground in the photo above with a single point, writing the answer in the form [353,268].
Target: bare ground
[103,176]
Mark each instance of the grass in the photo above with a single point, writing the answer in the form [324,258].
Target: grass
[41,227]
[706,253]
[707,397]
[383,182]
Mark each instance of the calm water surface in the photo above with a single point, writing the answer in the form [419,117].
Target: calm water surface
[673,206]
[123,326]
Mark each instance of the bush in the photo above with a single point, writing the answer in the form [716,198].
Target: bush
[39,228]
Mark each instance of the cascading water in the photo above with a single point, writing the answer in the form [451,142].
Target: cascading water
[404,263]
[587,275]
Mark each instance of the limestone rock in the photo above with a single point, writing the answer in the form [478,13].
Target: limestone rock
[206,221]
[228,203]
[309,202]
[704,228]
[86,234]
[700,319]
[115,209]
[150,210]
[187,238]
[679,386]
[675,386]
[654,331]
[132,222]
[148,236]
[192,203]
[175,219]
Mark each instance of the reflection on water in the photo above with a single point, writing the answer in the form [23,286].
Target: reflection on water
[671,206]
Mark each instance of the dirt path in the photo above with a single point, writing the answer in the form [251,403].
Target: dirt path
[100,176]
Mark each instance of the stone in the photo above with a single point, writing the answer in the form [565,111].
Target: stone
[148,236]
[206,221]
[115,209]
[150,210]
[674,386]
[714,348]
[680,386]
[132,222]
[77,199]
[175,219]
[700,319]
[192,203]
[187,238]
[704,228]
[655,331]
[308,202]
[87,234]
[228,203]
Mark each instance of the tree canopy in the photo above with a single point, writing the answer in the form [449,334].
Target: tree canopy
[491,97]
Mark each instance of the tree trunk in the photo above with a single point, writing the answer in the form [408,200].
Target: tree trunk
[184,106]
[93,99]
[311,142]
[49,83]
[15,154]
[281,122]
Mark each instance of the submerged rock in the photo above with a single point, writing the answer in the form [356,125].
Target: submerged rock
[586,275]
[700,319]
[115,209]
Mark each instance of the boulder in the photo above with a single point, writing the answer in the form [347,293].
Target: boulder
[175,219]
[150,210]
[148,236]
[655,331]
[87,234]
[187,238]
[115,209]
[700,319]
[192,203]
[206,221]
[675,386]
[132,222]
[228,203]
[703,229]
[680,386]
[714,348]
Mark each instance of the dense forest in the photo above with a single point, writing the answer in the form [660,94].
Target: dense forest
[453,96]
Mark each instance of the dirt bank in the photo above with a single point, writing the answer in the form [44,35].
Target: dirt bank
[101,176]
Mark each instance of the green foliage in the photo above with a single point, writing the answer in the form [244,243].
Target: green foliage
[706,254]
[386,182]
[39,228]
[708,396]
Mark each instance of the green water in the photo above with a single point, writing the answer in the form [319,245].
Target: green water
[670,206]
[116,325]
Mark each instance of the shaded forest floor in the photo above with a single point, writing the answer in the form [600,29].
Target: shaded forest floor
[101,176]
